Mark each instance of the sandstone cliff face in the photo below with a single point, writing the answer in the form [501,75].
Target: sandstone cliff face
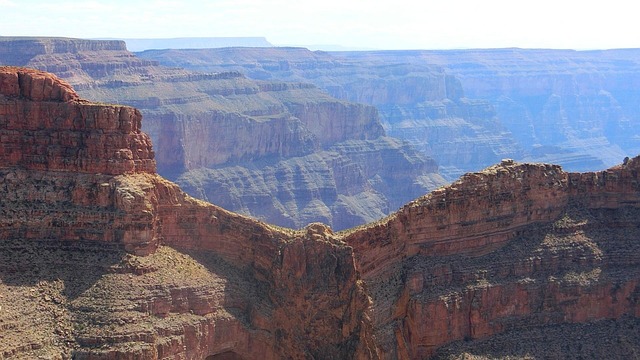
[212,282]
[206,123]
[515,246]
[54,130]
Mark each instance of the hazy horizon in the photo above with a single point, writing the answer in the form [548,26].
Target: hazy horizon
[388,25]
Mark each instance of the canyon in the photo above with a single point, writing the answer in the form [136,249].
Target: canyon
[287,153]
[104,259]
[122,264]
[471,108]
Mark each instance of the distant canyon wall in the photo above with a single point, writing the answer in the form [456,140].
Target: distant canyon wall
[469,108]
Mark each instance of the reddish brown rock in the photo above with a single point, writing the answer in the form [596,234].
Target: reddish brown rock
[77,185]
[517,245]
[35,86]
[45,126]
[101,258]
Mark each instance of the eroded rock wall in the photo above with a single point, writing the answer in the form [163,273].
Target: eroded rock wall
[513,246]
[44,126]
[99,265]
[417,101]
[195,280]
[469,108]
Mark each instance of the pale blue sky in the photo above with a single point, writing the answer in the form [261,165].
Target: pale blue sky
[395,24]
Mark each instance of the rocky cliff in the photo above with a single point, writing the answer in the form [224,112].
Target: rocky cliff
[418,102]
[124,265]
[509,249]
[196,280]
[46,133]
[207,126]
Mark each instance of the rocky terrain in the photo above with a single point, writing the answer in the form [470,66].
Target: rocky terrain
[508,249]
[469,108]
[515,261]
[286,153]
[195,280]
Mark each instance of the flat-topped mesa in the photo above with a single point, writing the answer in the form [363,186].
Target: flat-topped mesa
[44,125]
[53,45]
[19,50]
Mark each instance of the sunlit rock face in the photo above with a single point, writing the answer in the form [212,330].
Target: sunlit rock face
[505,253]
[101,258]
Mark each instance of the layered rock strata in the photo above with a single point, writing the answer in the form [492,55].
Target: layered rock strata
[124,265]
[512,247]
[418,101]
[469,108]
[45,126]
[228,284]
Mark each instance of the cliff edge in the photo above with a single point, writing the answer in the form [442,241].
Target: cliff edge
[101,258]
[510,249]
[104,259]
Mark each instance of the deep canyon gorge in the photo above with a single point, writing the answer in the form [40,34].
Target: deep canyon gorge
[281,203]
[104,259]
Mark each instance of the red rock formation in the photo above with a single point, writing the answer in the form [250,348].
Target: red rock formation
[222,135]
[78,175]
[515,245]
[45,126]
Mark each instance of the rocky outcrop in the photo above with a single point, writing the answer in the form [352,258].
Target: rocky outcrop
[126,265]
[514,246]
[205,123]
[44,126]
[196,280]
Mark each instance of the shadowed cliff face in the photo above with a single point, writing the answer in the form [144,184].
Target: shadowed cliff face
[206,127]
[469,108]
[125,265]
